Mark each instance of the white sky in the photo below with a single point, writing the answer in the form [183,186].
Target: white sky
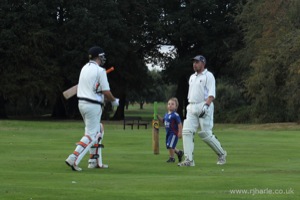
[163,49]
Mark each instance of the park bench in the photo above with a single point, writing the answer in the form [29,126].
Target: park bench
[131,121]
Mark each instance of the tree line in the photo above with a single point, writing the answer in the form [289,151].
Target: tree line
[252,47]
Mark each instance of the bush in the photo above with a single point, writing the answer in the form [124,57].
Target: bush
[230,106]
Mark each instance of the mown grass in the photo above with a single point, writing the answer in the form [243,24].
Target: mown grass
[147,112]
[261,159]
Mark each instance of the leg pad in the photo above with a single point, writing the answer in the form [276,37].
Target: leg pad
[210,139]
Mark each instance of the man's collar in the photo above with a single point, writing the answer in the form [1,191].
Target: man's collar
[202,73]
[94,62]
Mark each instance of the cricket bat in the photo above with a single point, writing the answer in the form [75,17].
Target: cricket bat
[155,130]
[73,90]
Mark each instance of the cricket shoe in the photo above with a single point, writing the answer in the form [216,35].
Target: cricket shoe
[222,159]
[103,166]
[180,155]
[93,164]
[171,160]
[70,161]
[187,163]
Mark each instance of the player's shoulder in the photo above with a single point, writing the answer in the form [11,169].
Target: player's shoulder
[101,71]
[193,75]
[176,114]
[102,68]
[209,73]
[177,117]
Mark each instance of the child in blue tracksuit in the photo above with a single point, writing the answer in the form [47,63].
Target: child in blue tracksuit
[173,128]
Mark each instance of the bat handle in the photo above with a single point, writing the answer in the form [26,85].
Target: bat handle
[155,110]
[110,70]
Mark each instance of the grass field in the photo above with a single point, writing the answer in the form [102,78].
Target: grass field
[263,163]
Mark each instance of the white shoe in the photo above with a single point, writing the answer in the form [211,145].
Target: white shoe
[70,161]
[187,163]
[93,164]
[104,166]
[222,159]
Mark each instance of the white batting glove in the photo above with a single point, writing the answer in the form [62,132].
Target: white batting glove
[115,102]
[204,110]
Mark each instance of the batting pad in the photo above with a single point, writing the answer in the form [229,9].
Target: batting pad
[97,153]
[188,140]
[83,147]
[211,140]
[98,150]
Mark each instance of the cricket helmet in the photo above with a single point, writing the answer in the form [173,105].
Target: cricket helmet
[95,52]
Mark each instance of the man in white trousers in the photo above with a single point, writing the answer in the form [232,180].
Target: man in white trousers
[93,87]
[200,111]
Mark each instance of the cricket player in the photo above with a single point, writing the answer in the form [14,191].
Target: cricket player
[93,87]
[200,111]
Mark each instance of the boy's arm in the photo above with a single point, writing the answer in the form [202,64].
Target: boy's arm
[161,120]
[180,130]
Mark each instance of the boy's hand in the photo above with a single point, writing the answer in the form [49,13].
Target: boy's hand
[179,134]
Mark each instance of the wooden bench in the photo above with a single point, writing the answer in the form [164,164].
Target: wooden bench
[131,121]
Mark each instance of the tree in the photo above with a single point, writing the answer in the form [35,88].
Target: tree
[271,52]
[197,27]
[57,35]
[28,67]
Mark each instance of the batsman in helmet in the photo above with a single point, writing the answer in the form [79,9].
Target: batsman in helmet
[93,87]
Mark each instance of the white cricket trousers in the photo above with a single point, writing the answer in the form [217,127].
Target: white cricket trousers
[91,114]
[191,125]
[205,123]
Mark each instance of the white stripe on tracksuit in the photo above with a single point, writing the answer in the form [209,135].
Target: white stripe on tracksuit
[172,141]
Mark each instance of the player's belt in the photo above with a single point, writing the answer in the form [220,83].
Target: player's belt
[90,100]
[194,102]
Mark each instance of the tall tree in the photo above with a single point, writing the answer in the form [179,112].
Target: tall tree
[271,52]
[197,27]
[28,66]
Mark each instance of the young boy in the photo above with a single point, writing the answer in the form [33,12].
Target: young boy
[173,128]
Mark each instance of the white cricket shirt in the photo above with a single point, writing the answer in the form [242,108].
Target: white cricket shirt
[92,81]
[201,86]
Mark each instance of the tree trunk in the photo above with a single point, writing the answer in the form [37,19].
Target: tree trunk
[142,105]
[3,114]
[181,94]
[59,108]
[120,112]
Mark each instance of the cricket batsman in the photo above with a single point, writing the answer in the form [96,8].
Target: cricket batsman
[93,87]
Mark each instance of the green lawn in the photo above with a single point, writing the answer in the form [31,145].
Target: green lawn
[147,111]
[263,161]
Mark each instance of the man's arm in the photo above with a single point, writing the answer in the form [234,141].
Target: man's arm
[209,100]
[108,95]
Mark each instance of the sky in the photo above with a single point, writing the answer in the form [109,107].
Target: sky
[163,49]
